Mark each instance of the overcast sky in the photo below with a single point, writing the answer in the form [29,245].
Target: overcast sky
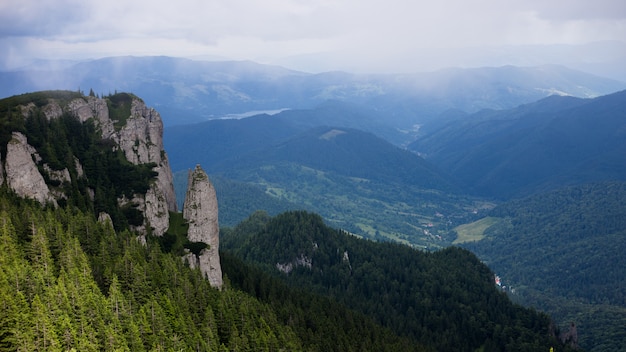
[314,35]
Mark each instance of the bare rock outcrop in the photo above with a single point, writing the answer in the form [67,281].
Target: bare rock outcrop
[141,140]
[23,176]
[93,108]
[123,122]
[201,212]
[570,337]
[52,110]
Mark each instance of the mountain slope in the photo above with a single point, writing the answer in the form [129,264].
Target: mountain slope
[354,153]
[447,299]
[558,140]
[354,179]
[104,155]
[562,251]
[221,140]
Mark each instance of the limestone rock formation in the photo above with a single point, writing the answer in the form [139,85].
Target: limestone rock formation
[141,140]
[136,130]
[93,108]
[201,212]
[23,176]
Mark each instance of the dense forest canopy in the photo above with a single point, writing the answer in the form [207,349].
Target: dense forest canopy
[68,281]
[447,299]
[562,251]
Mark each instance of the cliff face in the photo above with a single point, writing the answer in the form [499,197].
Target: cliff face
[139,136]
[141,140]
[51,171]
[201,212]
[23,177]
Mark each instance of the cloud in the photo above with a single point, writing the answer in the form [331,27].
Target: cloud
[38,17]
[364,30]
[577,9]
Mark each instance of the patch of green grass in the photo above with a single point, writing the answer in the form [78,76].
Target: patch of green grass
[474,231]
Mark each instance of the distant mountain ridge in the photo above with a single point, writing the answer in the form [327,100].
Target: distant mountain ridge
[355,153]
[187,91]
[555,141]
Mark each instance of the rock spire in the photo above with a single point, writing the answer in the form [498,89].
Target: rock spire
[201,212]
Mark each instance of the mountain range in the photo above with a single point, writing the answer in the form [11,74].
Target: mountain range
[356,180]
[553,142]
[403,158]
[86,265]
[188,91]
[489,155]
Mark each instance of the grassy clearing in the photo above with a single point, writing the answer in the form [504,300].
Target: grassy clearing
[474,231]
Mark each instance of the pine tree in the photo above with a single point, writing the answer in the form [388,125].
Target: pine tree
[43,269]
[44,334]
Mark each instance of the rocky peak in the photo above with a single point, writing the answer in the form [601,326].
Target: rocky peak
[86,108]
[134,129]
[201,212]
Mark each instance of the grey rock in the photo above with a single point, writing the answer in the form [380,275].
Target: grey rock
[201,212]
[23,176]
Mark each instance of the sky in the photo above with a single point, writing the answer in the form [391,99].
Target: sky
[319,35]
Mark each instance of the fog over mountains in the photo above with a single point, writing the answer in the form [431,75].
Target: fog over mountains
[187,91]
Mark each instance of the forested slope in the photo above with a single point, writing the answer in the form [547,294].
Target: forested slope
[445,299]
[563,252]
[68,281]
[532,148]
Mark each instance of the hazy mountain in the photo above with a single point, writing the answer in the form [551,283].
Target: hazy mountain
[221,140]
[555,141]
[187,91]
[353,153]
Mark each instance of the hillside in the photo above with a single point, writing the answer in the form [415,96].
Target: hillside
[446,299]
[102,155]
[68,282]
[540,146]
[562,251]
[352,153]
[355,180]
